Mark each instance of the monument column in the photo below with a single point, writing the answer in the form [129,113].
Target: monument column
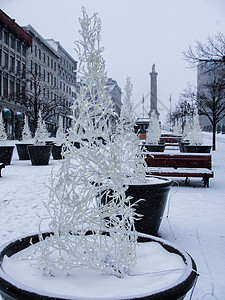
[153,88]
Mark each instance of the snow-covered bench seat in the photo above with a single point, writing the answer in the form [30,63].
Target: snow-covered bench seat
[1,167]
[180,165]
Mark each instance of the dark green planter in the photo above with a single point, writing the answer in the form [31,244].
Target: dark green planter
[197,149]
[23,151]
[39,154]
[6,154]
[11,290]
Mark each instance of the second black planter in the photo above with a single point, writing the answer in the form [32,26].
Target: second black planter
[154,195]
[197,148]
[23,151]
[6,153]
[39,154]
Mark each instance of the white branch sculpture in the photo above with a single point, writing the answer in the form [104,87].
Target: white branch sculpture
[88,193]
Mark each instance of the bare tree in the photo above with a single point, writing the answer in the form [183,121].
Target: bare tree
[211,100]
[186,106]
[212,50]
[39,95]
[209,57]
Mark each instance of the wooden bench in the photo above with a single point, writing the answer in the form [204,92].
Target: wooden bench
[171,140]
[180,165]
[1,167]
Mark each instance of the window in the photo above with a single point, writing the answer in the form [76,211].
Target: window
[12,42]
[44,58]
[18,46]
[43,74]
[17,66]
[48,77]
[48,61]
[39,54]
[31,66]
[23,89]
[23,70]
[5,60]
[6,37]
[51,79]
[51,63]
[5,85]
[35,69]
[35,50]
[39,70]
[54,81]
[54,66]
[24,50]
[12,64]
[18,88]
[11,87]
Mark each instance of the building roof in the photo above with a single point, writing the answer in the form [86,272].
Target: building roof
[13,27]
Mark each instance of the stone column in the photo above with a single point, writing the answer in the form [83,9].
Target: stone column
[153,88]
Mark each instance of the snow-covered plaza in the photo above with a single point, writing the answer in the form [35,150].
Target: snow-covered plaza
[194,219]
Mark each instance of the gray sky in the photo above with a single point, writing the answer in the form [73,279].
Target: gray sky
[135,34]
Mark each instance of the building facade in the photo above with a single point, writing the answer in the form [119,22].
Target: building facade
[67,67]
[14,44]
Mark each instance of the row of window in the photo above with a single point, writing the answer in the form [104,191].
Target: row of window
[11,87]
[44,58]
[15,44]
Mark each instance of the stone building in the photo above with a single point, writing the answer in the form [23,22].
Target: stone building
[210,82]
[14,44]
[67,67]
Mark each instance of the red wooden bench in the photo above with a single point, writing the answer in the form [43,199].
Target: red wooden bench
[1,167]
[171,140]
[180,165]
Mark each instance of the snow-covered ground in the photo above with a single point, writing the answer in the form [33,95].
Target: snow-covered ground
[195,219]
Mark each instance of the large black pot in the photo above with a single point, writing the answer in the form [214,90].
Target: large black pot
[153,206]
[182,144]
[197,148]
[57,151]
[14,290]
[6,153]
[39,154]
[154,194]
[23,151]
[154,148]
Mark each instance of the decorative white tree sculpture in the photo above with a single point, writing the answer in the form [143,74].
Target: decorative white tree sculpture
[41,133]
[60,134]
[26,133]
[177,129]
[3,135]
[153,132]
[195,135]
[88,193]
[127,142]
[187,129]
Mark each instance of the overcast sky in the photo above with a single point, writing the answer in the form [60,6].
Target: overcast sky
[135,34]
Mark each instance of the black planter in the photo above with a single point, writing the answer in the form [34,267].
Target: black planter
[14,291]
[22,151]
[6,153]
[155,148]
[197,149]
[153,207]
[57,151]
[181,146]
[39,154]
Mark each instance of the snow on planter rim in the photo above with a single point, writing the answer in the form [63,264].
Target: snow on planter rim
[108,281]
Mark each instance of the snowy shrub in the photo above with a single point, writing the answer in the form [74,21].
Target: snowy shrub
[26,133]
[153,132]
[177,129]
[60,134]
[3,135]
[195,135]
[88,192]
[41,134]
